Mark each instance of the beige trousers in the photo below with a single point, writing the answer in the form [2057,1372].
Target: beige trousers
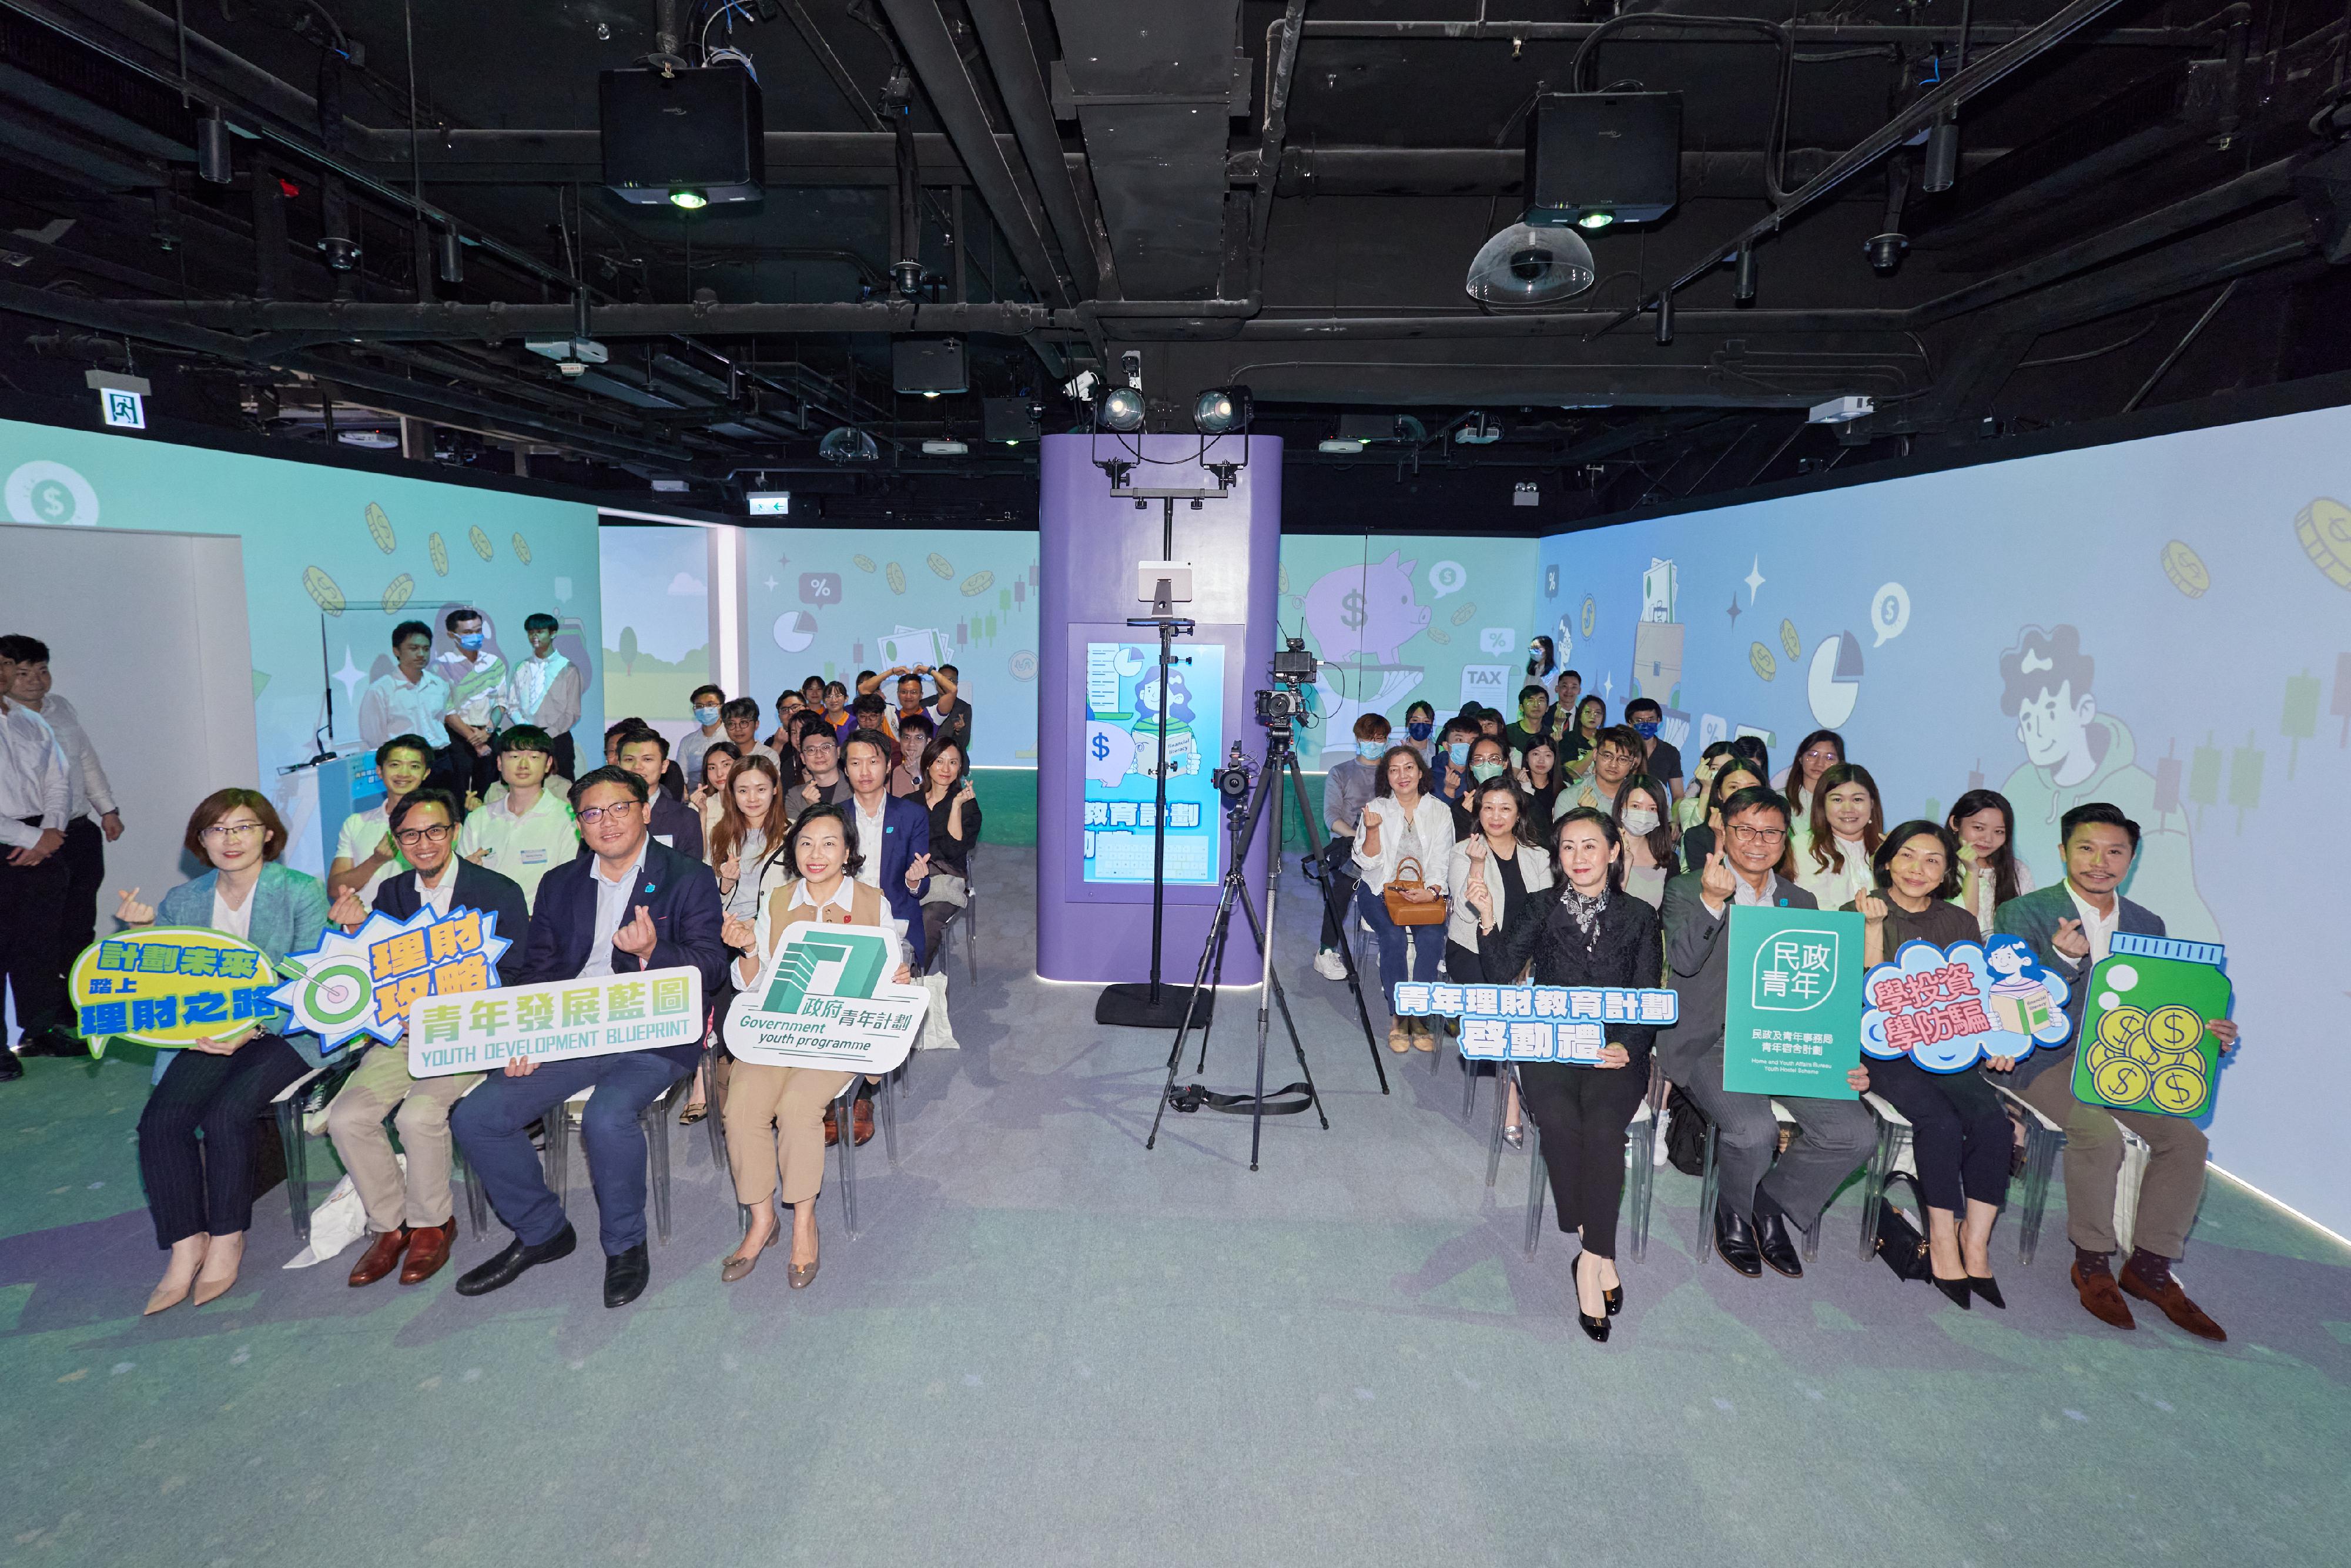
[775,1122]
[2169,1192]
[355,1124]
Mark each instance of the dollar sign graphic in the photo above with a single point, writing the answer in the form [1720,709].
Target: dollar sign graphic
[1886,613]
[54,500]
[1102,747]
[1352,616]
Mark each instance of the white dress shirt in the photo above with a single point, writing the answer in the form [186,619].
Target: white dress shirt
[2099,928]
[869,841]
[88,792]
[436,899]
[391,706]
[541,694]
[34,777]
[611,904]
[361,835]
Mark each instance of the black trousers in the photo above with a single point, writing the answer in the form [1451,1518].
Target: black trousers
[458,767]
[195,1186]
[1582,1113]
[567,765]
[1960,1136]
[1339,874]
[85,858]
[32,920]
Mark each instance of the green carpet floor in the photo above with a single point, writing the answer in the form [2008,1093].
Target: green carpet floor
[1048,1347]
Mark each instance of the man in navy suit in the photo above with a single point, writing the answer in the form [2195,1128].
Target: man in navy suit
[628,904]
[894,833]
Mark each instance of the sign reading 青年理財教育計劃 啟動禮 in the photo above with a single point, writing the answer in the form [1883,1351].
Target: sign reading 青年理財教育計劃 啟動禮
[554,1021]
[826,1000]
[1539,1023]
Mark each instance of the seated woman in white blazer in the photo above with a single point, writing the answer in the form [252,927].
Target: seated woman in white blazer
[1407,831]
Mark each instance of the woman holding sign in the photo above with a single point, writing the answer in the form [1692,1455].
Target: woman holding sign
[775,1115]
[1959,1137]
[1592,934]
[201,1191]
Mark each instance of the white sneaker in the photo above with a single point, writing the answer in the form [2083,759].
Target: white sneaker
[1329,965]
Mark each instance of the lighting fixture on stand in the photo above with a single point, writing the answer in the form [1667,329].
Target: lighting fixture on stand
[1221,410]
[1120,409]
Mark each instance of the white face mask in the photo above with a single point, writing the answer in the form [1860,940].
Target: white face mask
[1640,822]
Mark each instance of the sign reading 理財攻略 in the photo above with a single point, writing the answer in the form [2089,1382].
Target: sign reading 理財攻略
[555,1022]
[827,1001]
[1538,1023]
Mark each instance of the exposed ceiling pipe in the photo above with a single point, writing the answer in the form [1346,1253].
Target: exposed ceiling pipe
[1849,32]
[1012,60]
[1281,58]
[500,322]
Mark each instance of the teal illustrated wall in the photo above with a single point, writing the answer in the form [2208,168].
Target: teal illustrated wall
[656,600]
[333,560]
[2165,624]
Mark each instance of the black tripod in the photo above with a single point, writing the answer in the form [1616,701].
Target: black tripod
[1242,822]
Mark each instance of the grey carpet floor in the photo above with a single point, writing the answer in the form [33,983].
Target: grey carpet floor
[1046,1345]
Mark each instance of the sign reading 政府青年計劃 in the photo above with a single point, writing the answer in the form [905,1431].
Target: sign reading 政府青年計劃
[1538,1023]
[365,982]
[1948,1009]
[2147,1040]
[1791,1011]
[171,986]
[554,1021]
[826,1000]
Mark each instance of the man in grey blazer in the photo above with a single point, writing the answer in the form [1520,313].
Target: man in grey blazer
[2069,925]
[1758,1198]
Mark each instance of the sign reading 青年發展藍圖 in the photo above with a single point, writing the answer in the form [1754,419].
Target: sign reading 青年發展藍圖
[555,1022]
[1538,1023]
[1791,1008]
[826,1000]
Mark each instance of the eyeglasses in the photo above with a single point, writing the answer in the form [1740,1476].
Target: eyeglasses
[438,834]
[1747,835]
[1820,754]
[221,832]
[620,814]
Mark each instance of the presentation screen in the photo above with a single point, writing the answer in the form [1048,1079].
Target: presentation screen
[1121,694]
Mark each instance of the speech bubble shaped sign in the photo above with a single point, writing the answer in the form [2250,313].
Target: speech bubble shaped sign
[1447,577]
[1889,612]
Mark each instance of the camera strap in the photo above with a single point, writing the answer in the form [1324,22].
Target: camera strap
[1287,1101]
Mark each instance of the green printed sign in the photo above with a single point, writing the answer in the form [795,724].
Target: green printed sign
[555,1022]
[826,1002]
[2147,1042]
[1792,1013]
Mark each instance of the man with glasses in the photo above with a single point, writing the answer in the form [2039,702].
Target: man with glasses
[1615,755]
[820,779]
[1760,1200]
[628,904]
[411,1217]
[35,794]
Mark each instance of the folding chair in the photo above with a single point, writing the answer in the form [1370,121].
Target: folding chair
[1892,1154]
[286,1111]
[1640,1180]
[1709,1185]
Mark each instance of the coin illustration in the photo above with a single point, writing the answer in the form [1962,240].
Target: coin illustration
[1760,657]
[2185,570]
[322,590]
[522,550]
[1023,665]
[2122,1028]
[979,582]
[1461,616]
[862,562]
[439,551]
[2121,1083]
[1591,612]
[941,568]
[2173,1030]
[2324,527]
[481,542]
[397,591]
[379,529]
[895,576]
[1438,635]
[1789,639]
[2180,1089]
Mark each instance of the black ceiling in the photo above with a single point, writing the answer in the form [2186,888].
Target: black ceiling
[1284,196]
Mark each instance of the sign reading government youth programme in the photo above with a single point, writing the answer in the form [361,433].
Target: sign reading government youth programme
[1538,1023]
[1122,748]
[168,987]
[557,1021]
[1792,1013]
[826,1000]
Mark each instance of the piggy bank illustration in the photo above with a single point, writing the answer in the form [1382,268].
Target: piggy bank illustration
[1365,614]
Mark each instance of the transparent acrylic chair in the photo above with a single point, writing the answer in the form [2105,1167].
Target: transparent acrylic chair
[1640,1175]
[296,1140]
[656,1119]
[1710,1184]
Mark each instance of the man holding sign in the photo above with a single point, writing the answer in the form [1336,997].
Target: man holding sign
[628,904]
[1758,1198]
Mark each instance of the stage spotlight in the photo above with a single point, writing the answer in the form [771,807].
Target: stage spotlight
[1665,317]
[214,163]
[1121,410]
[847,443]
[1220,411]
[1942,169]
[1530,265]
[688,199]
[449,251]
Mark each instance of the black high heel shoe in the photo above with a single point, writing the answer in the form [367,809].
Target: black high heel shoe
[1594,1329]
[1986,1290]
[1956,1291]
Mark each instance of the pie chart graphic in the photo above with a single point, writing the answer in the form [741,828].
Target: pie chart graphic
[1834,684]
[795,630]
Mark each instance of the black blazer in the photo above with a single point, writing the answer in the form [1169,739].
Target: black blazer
[683,896]
[478,887]
[1625,951]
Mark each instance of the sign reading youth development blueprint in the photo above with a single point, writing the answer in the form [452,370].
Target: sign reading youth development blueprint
[556,1021]
[1539,1023]
[1792,1014]
[826,1000]
[1122,748]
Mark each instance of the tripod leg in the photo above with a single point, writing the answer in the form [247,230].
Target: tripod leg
[1340,914]
[1216,939]
[1175,1051]
[1281,1000]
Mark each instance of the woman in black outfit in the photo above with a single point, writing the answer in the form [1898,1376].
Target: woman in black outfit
[955,829]
[1960,1136]
[1591,933]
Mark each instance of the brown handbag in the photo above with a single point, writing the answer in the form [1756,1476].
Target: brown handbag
[1410,912]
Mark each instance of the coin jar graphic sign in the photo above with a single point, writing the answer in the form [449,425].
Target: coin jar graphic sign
[2323,529]
[2147,1042]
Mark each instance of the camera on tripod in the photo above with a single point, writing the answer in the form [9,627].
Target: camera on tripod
[1294,667]
[1233,780]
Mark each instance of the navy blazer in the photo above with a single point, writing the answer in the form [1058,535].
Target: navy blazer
[478,887]
[906,834]
[683,896]
[679,823]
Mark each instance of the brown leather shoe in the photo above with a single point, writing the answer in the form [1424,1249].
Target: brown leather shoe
[381,1257]
[2103,1299]
[2172,1302]
[428,1250]
[863,1123]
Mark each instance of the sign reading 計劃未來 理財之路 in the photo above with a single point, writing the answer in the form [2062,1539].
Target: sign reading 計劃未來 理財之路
[555,1022]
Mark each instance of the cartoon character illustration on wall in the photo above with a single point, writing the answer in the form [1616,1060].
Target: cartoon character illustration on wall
[2073,754]
[1360,617]
[1183,752]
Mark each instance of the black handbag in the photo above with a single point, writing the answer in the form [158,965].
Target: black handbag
[1898,1241]
[1684,1134]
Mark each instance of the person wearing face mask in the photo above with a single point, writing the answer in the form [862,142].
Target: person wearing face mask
[1488,762]
[547,688]
[1616,753]
[1840,833]
[481,700]
[1420,730]
[1448,763]
[709,705]
[1660,759]
[1590,933]
[1534,704]
[1346,789]
[1646,829]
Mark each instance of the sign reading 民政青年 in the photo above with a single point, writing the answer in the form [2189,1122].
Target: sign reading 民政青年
[1792,1009]
[555,1022]
[826,1000]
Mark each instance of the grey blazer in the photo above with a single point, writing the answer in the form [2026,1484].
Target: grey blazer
[1694,969]
[2035,917]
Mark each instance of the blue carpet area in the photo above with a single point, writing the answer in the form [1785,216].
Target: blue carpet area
[1047,1346]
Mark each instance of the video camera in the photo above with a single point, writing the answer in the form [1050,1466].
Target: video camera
[1294,667]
